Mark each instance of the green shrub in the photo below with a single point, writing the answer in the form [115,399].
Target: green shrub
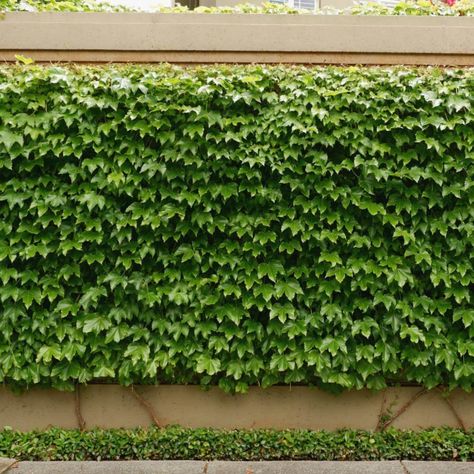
[60,6]
[207,444]
[403,8]
[237,226]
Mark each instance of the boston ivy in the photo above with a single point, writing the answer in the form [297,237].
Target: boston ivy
[237,225]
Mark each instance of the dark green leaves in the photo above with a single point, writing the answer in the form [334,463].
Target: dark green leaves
[237,226]
[442,444]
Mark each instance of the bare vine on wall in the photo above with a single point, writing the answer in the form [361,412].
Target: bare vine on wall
[146,405]
[77,403]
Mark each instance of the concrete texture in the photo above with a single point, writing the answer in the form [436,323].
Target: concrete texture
[229,38]
[305,467]
[438,467]
[113,406]
[228,467]
[37,409]
[430,409]
[111,467]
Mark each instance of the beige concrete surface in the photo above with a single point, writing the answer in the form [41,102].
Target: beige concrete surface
[36,408]
[243,467]
[429,407]
[438,467]
[234,36]
[306,467]
[112,406]
[111,467]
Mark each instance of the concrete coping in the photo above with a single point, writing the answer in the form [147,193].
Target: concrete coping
[235,33]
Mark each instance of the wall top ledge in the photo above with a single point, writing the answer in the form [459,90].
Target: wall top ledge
[241,34]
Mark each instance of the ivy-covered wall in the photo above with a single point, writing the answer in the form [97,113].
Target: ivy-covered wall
[236,226]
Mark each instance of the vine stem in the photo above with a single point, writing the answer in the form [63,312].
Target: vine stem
[460,421]
[404,408]
[10,466]
[381,413]
[146,405]
[77,403]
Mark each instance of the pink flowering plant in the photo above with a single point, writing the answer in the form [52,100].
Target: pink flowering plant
[414,8]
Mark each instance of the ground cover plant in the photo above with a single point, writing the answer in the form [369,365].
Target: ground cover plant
[440,444]
[237,225]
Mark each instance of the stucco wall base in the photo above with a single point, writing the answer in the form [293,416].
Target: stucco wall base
[112,406]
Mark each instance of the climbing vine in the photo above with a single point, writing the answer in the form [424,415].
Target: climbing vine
[236,226]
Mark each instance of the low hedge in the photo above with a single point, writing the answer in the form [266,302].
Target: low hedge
[237,226]
[208,444]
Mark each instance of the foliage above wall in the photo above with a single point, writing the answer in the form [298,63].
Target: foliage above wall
[404,8]
[59,6]
[237,225]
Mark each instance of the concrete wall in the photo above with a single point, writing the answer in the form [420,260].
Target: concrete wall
[194,38]
[101,37]
[111,406]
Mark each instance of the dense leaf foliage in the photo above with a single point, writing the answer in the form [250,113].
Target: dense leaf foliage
[237,225]
[207,444]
